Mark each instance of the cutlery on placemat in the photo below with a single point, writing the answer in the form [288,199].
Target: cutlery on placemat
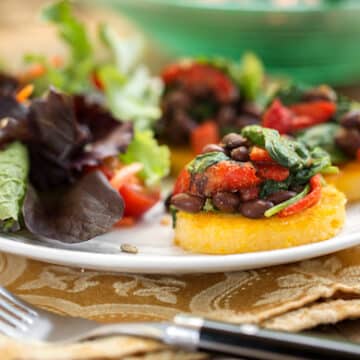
[20,321]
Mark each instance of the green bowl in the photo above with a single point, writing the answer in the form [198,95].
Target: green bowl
[318,43]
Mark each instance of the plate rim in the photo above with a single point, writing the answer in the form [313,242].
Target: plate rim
[165,264]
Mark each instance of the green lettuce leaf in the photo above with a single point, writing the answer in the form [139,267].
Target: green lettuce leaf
[126,51]
[154,157]
[74,76]
[70,28]
[14,168]
[135,97]
[251,76]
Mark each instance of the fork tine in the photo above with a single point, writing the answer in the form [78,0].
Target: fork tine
[6,329]
[14,311]
[12,320]
[17,302]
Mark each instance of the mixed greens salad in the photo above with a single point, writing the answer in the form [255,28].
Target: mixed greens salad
[77,151]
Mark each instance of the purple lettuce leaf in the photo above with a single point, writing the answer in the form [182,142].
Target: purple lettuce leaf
[70,133]
[8,84]
[84,210]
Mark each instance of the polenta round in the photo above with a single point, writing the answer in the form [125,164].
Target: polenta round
[219,233]
[348,180]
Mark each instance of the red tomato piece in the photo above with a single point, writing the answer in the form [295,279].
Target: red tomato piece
[230,176]
[318,111]
[138,200]
[278,117]
[273,172]
[182,183]
[195,74]
[311,199]
[172,72]
[259,154]
[207,133]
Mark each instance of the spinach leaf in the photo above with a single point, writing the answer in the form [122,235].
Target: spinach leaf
[320,160]
[323,136]
[14,168]
[289,153]
[270,187]
[203,161]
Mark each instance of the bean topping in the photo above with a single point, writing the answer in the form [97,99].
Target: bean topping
[226,115]
[348,140]
[245,120]
[281,196]
[226,201]
[249,194]
[351,119]
[177,99]
[233,140]
[322,92]
[253,109]
[255,209]
[240,153]
[211,148]
[188,203]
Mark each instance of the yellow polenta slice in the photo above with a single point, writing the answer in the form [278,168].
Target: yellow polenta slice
[348,180]
[215,233]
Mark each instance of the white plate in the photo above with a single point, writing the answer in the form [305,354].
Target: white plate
[157,254]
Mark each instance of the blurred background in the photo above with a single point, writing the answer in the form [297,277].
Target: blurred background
[313,41]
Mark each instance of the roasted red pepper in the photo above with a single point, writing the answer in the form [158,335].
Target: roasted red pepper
[207,133]
[318,111]
[194,74]
[308,201]
[278,117]
[230,176]
[272,172]
[182,183]
[259,154]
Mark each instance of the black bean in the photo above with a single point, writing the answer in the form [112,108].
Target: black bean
[226,116]
[348,140]
[322,92]
[245,120]
[281,196]
[249,194]
[240,153]
[176,99]
[226,201]
[212,147]
[297,188]
[351,119]
[255,209]
[252,109]
[233,140]
[188,203]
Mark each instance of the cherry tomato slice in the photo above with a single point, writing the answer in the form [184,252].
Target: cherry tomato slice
[138,200]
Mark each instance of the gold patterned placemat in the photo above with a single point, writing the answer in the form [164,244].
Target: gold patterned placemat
[289,297]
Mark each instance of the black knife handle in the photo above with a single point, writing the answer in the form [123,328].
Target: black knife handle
[252,342]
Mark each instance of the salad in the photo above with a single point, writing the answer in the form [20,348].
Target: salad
[77,152]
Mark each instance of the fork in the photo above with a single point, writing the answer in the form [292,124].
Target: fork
[19,320]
